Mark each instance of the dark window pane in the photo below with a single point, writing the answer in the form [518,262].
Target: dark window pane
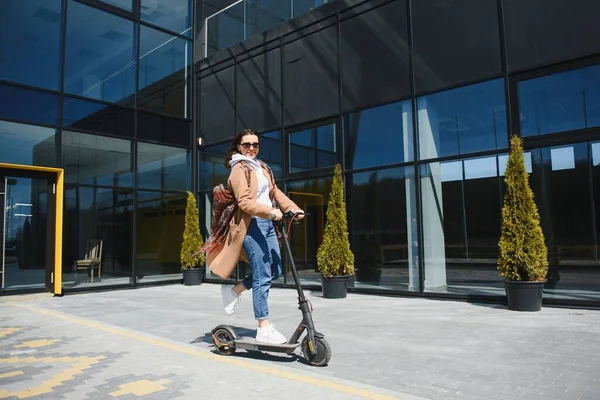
[98,214]
[371,42]
[164,72]
[271,152]
[303,6]
[595,159]
[212,171]
[463,120]
[379,136]
[217,118]
[311,77]
[27,144]
[542,32]
[383,224]
[313,148]
[261,17]
[164,129]
[560,102]
[97,117]
[28,105]
[258,88]
[225,28]
[160,223]
[96,160]
[455,42]
[174,15]
[163,167]
[100,55]
[306,237]
[32,54]
[461,203]
[124,4]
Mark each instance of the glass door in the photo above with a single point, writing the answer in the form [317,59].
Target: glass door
[26,223]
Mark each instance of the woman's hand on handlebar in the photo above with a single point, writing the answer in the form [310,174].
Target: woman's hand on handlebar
[298,214]
[275,214]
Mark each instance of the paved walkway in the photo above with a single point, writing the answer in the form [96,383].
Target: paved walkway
[154,343]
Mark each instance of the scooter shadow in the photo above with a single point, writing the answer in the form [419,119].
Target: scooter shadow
[252,354]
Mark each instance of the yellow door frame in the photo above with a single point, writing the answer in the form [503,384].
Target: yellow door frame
[58,217]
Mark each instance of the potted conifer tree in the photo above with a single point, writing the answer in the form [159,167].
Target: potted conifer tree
[523,259]
[335,260]
[192,261]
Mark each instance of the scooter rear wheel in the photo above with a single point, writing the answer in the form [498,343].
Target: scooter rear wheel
[323,352]
[223,335]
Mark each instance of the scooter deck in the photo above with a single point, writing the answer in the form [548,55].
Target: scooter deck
[252,344]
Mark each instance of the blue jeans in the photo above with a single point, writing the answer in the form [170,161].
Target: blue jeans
[262,248]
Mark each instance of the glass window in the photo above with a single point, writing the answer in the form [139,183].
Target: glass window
[98,214]
[379,136]
[212,171]
[28,105]
[313,148]
[164,72]
[163,129]
[306,237]
[100,55]
[32,54]
[303,6]
[27,144]
[271,152]
[225,28]
[461,204]
[174,15]
[124,4]
[464,120]
[96,160]
[163,167]
[382,220]
[97,117]
[160,223]
[264,15]
[560,102]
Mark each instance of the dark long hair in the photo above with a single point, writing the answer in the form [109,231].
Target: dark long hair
[234,144]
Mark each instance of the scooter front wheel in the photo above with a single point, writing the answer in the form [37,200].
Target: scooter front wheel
[323,352]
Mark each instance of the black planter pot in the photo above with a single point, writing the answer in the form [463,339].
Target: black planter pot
[194,276]
[351,280]
[335,287]
[524,295]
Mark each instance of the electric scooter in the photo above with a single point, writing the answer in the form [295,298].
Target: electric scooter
[315,348]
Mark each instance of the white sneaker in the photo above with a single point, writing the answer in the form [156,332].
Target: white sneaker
[269,335]
[230,299]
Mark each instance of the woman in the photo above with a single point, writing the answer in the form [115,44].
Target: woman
[257,202]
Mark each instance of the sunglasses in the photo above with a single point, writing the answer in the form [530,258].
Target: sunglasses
[247,145]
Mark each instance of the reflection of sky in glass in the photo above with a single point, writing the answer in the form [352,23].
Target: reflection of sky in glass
[163,167]
[174,15]
[463,120]
[560,102]
[312,148]
[100,54]
[31,55]
[27,144]
[596,154]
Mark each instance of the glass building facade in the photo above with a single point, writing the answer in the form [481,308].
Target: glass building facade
[138,100]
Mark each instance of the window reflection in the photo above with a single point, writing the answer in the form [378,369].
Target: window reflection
[164,72]
[174,15]
[163,167]
[95,214]
[97,117]
[160,223]
[313,148]
[382,219]
[27,144]
[100,55]
[560,102]
[32,54]
[271,152]
[124,4]
[28,105]
[96,160]
[306,237]
[463,120]
[212,171]
[461,204]
[366,130]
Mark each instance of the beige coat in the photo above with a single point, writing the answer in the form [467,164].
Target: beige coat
[224,260]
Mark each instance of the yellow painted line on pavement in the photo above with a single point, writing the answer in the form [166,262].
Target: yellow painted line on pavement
[11,374]
[204,354]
